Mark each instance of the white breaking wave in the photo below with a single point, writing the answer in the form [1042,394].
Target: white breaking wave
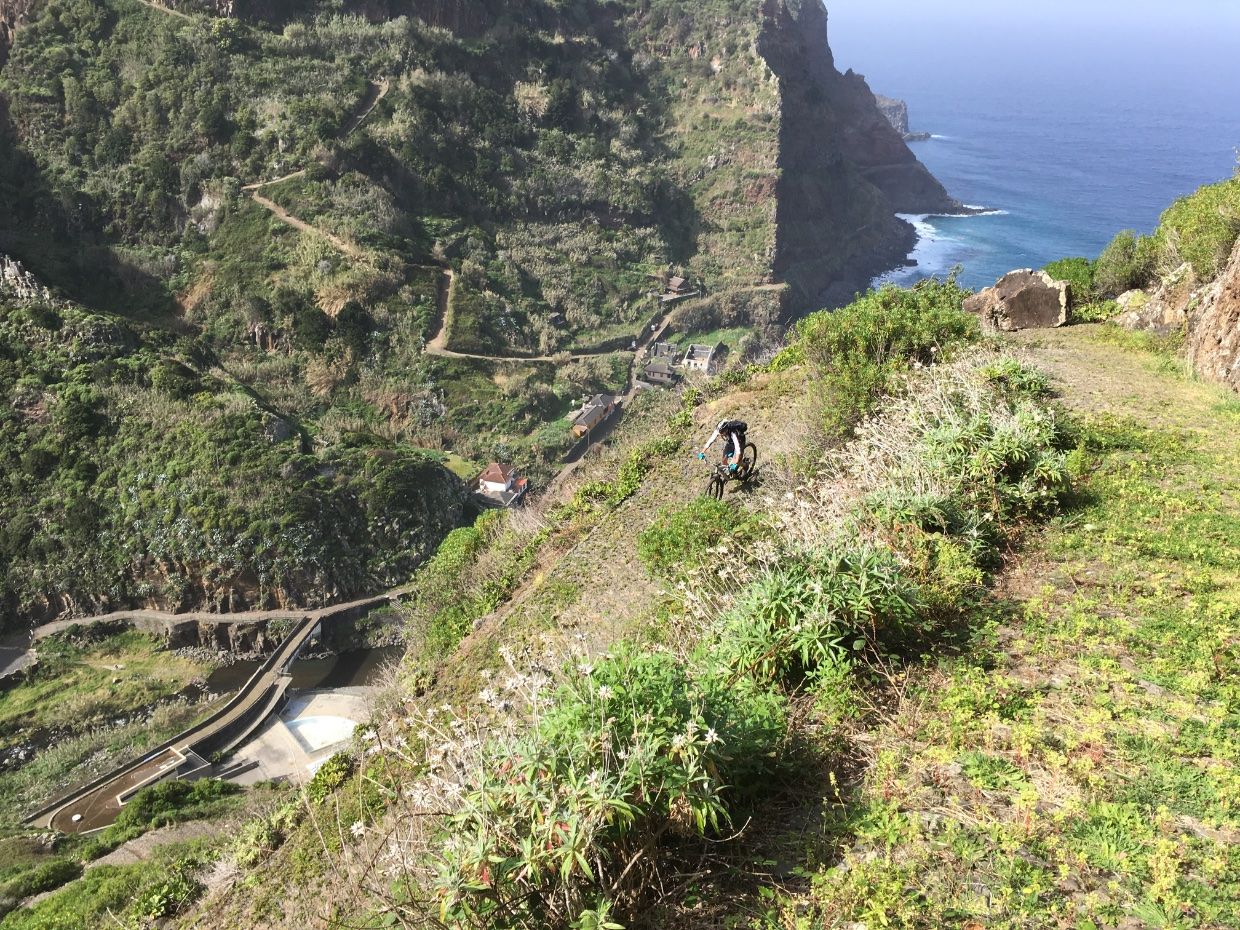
[936,252]
[983,211]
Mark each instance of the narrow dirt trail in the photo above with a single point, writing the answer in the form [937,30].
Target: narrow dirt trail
[438,344]
[202,616]
[348,248]
[168,10]
[375,93]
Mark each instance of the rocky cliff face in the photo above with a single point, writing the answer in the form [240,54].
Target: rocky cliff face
[19,286]
[845,170]
[13,13]
[1214,328]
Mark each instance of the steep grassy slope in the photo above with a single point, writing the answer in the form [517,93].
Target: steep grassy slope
[1073,763]
[1055,747]
[934,711]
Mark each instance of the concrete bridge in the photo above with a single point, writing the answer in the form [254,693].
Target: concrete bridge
[96,804]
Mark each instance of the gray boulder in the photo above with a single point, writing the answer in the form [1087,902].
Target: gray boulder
[1024,299]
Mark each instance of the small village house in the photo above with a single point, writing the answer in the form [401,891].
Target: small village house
[502,485]
[663,351]
[678,288]
[595,410]
[702,358]
[659,373]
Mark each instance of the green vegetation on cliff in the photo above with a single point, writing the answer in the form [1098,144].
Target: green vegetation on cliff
[1199,230]
[138,469]
[557,158]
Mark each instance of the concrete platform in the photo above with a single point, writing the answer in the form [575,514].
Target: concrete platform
[313,727]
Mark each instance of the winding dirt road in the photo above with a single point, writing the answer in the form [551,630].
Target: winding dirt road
[164,9]
[376,92]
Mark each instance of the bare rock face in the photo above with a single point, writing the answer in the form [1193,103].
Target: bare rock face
[1024,299]
[896,112]
[13,15]
[17,284]
[1214,328]
[1163,312]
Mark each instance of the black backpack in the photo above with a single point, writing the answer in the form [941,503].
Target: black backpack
[734,426]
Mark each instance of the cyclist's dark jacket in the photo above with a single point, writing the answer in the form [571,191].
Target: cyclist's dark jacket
[735,431]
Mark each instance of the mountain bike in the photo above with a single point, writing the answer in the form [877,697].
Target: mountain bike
[744,473]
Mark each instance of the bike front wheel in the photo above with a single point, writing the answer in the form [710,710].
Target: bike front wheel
[715,488]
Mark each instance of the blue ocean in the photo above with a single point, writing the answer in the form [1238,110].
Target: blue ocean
[1067,123]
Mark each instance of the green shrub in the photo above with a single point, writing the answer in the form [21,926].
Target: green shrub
[174,379]
[161,804]
[681,539]
[815,610]
[858,351]
[1128,263]
[1000,470]
[331,775]
[88,902]
[637,752]
[172,801]
[1079,273]
[41,878]
[256,839]
[175,889]
[1098,311]
[1202,228]
[1015,380]
[628,477]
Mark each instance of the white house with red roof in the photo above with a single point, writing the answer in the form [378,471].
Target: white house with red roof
[502,485]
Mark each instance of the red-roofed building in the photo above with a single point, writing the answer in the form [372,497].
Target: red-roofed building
[500,484]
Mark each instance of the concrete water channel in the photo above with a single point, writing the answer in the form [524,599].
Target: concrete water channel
[262,692]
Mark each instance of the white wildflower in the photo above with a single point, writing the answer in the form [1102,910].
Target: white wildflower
[712,737]
[358,828]
[605,693]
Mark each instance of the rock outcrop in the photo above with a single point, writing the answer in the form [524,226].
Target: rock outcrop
[844,171]
[1214,327]
[1024,299]
[896,112]
[1163,311]
[19,285]
[13,14]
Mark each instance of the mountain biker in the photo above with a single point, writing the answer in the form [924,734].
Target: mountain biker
[733,433]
